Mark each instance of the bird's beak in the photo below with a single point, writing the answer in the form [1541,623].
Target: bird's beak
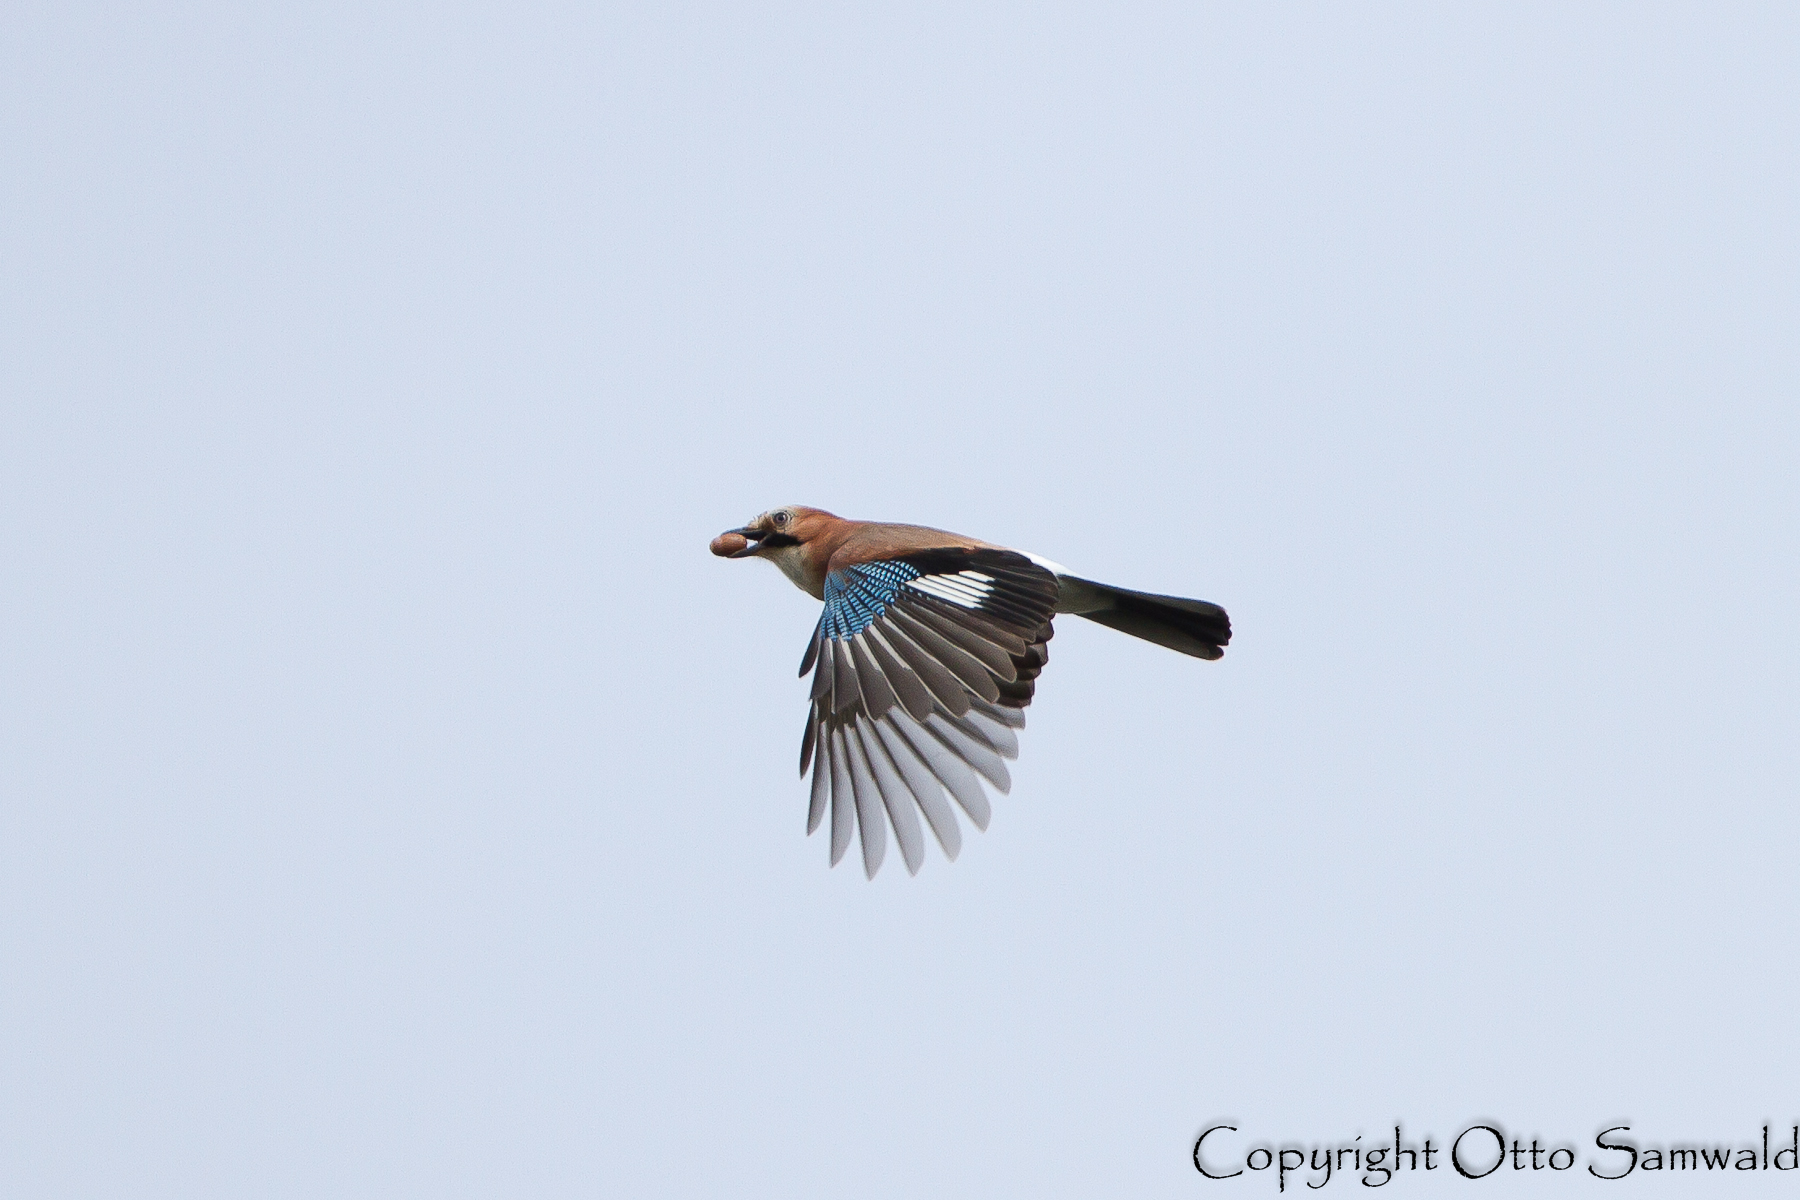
[753,538]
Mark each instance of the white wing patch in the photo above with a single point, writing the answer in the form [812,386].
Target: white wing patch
[967,588]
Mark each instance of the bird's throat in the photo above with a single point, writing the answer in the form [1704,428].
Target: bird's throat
[792,561]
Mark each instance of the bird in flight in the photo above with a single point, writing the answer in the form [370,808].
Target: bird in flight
[923,661]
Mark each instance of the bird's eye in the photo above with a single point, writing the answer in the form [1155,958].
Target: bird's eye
[781,518]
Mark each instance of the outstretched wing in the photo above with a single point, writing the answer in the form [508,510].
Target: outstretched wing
[921,665]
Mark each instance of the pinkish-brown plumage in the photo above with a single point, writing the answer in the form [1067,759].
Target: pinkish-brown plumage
[824,542]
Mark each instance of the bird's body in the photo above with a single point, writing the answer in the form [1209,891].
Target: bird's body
[842,543]
[926,653]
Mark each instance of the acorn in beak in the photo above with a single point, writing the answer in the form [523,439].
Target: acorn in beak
[737,543]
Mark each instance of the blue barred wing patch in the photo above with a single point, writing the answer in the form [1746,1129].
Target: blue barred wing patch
[855,597]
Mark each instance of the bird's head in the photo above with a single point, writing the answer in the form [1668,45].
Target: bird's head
[777,531]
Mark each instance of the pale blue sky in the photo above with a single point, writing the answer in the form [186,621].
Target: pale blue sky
[399,801]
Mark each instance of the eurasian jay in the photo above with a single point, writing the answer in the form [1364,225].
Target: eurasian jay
[927,652]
